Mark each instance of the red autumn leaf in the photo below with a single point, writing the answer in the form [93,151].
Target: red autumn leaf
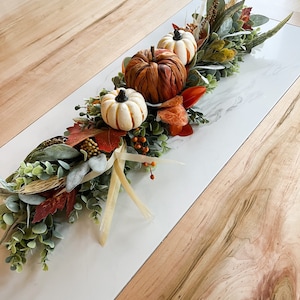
[192,95]
[49,206]
[186,130]
[181,130]
[175,115]
[245,17]
[54,203]
[78,134]
[109,139]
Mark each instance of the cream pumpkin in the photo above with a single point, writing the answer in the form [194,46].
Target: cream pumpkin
[181,43]
[123,109]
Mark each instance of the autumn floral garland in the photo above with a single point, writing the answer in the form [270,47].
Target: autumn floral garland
[87,165]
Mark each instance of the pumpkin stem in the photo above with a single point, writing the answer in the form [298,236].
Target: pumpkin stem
[121,96]
[153,53]
[177,35]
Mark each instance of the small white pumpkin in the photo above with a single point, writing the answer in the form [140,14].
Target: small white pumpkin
[180,42]
[123,109]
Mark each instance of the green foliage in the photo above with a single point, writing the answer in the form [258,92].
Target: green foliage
[261,38]
[28,172]
[38,237]
[156,135]
[196,117]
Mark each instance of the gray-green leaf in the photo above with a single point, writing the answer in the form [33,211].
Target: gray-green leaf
[8,218]
[12,204]
[31,199]
[54,152]
[76,175]
[31,244]
[98,163]
[258,20]
[39,228]
[225,27]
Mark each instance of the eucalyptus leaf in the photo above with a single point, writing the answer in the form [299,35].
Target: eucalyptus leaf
[5,185]
[19,268]
[37,170]
[12,204]
[8,219]
[92,202]
[29,235]
[49,243]
[17,236]
[78,206]
[65,165]
[98,163]
[60,172]
[76,175]
[32,199]
[39,228]
[258,20]
[57,234]
[44,176]
[31,244]
[49,168]
[54,152]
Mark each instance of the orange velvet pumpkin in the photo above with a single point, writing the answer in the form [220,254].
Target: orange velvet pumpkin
[158,74]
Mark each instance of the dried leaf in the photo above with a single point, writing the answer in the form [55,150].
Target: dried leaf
[78,134]
[54,203]
[177,100]
[175,115]
[49,206]
[109,139]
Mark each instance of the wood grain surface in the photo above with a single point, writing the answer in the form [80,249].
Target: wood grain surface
[49,49]
[240,239]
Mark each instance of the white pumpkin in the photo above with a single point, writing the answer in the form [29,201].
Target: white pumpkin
[123,109]
[180,42]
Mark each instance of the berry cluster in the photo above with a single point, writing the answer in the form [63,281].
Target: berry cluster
[140,144]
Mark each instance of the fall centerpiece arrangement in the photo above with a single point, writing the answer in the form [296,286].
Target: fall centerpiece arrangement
[124,130]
